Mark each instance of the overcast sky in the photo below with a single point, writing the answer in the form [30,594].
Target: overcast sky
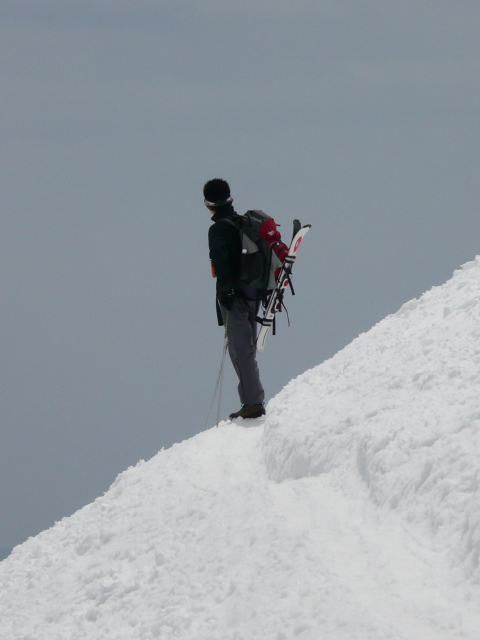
[360,117]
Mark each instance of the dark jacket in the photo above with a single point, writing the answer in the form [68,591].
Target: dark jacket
[225,248]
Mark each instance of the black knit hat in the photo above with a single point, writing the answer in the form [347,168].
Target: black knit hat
[216,193]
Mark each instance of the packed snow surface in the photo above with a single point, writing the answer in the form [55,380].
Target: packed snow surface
[352,512]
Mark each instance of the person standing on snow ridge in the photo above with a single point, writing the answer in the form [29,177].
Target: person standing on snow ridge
[235,310]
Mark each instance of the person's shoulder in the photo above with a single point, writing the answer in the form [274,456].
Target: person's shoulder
[216,229]
[228,222]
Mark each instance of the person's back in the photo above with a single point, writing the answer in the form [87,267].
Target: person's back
[225,247]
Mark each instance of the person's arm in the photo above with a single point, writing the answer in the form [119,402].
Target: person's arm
[220,248]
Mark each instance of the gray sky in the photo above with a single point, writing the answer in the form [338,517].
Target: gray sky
[360,117]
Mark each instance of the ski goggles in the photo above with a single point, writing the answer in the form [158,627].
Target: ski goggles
[220,203]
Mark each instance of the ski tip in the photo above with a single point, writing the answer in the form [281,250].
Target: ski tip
[260,344]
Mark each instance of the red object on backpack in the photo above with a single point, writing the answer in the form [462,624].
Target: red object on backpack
[268,231]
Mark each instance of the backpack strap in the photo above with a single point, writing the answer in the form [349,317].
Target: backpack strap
[231,220]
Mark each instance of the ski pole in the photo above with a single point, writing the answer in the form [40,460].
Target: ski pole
[225,347]
[219,383]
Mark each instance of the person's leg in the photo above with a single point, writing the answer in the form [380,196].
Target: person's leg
[241,332]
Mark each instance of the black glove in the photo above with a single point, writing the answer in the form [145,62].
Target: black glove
[226,298]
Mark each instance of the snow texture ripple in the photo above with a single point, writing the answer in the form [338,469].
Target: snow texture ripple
[353,512]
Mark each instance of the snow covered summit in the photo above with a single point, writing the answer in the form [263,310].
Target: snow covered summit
[353,513]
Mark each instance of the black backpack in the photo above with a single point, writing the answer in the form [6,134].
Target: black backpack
[259,260]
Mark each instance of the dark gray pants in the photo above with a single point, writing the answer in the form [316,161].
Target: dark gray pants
[242,333]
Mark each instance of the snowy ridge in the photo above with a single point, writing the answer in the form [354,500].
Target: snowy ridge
[399,408]
[352,513]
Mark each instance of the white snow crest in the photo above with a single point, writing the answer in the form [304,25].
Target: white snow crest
[399,409]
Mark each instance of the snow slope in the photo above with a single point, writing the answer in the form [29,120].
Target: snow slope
[351,513]
[400,409]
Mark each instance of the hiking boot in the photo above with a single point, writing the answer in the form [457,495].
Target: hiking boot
[249,411]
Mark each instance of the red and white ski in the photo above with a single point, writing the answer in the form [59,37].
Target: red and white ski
[275,300]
